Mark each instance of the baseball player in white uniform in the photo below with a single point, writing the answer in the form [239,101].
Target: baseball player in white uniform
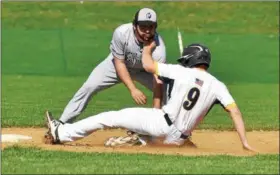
[193,94]
[123,64]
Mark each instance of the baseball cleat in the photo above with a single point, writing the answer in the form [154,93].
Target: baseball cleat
[51,137]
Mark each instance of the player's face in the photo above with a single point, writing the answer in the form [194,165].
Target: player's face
[146,32]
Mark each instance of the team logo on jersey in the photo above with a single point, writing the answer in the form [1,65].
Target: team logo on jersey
[148,15]
[133,58]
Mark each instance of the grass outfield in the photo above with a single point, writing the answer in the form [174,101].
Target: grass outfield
[49,49]
[26,98]
[19,160]
[236,58]
[193,17]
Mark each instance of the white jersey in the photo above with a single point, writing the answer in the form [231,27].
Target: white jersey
[193,94]
[124,45]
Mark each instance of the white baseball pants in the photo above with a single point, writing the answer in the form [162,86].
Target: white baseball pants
[146,121]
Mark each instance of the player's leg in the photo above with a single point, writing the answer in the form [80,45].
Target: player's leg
[146,121]
[102,77]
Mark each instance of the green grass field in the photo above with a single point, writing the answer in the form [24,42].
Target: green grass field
[49,49]
[115,163]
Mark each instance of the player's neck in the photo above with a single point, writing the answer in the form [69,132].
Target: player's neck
[201,67]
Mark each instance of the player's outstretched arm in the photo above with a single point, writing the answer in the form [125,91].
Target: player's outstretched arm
[148,63]
[157,92]
[240,127]
[124,75]
[150,66]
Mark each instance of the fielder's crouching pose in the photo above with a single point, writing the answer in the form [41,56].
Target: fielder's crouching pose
[193,93]
[123,65]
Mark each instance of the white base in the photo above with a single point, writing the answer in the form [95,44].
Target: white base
[13,138]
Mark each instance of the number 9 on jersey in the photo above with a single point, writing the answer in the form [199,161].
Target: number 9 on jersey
[192,98]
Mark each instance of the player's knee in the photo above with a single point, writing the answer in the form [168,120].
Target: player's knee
[89,88]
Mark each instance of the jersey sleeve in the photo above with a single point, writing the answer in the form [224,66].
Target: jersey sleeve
[224,96]
[166,70]
[159,54]
[117,44]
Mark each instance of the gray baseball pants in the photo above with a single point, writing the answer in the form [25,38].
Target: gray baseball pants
[102,77]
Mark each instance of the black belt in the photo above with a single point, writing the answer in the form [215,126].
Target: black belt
[169,122]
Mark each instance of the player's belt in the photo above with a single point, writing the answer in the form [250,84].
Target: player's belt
[169,122]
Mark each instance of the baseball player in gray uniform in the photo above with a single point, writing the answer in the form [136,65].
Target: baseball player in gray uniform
[194,93]
[123,64]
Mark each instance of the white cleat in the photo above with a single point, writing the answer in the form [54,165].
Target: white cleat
[51,137]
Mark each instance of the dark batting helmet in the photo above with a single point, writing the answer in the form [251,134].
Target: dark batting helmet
[195,54]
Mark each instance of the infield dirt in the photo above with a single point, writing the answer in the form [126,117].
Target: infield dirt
[206,142]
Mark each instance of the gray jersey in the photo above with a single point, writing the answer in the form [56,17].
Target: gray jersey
[124,45]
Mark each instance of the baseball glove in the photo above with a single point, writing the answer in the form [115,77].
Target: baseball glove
[122,141]
[132,139]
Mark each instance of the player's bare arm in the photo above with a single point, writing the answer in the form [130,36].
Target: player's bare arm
[124,75]
[150,66]
[239,125]
[148,63]
[157,92]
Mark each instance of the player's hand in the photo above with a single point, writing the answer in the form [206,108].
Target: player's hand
[247,147]
[138,96]
[150,45]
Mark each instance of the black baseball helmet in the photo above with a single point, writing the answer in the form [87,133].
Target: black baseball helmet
[195,54]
